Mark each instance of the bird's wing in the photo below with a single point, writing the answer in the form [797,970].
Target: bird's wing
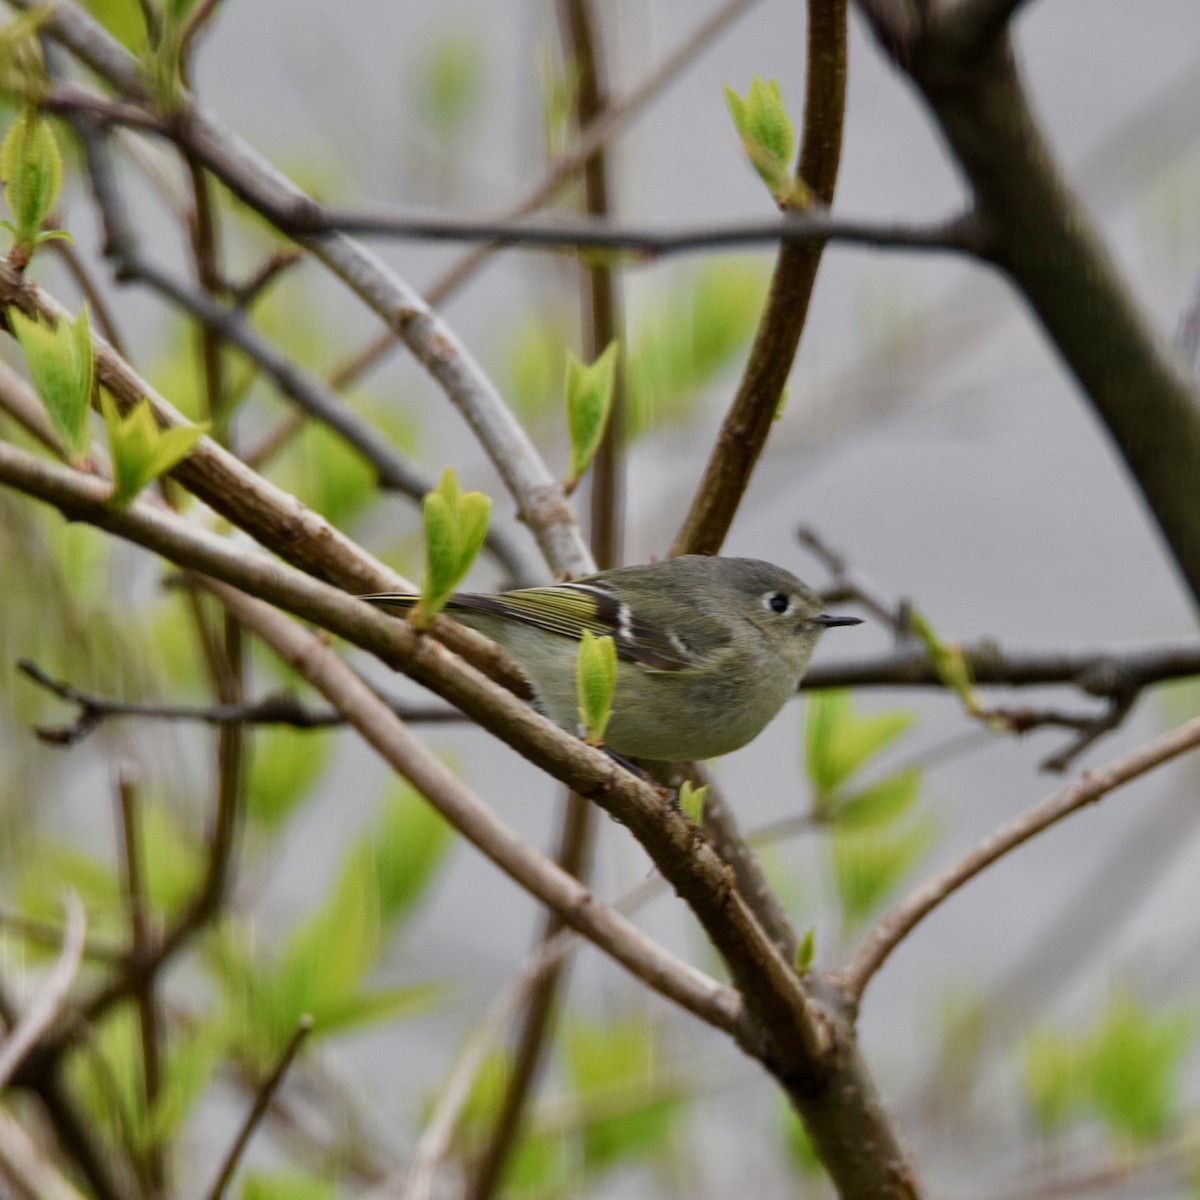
[571,608]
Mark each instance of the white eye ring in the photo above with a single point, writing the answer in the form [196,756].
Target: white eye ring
[779,603]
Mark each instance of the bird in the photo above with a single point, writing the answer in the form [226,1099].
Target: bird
[708,648]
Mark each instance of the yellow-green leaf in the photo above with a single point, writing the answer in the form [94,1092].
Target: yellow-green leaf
[839,742]
[805,949]
[596,679]
[880,803]
[31,166]
[455,525]
[63,372]
[766,133]
[141,451]
[949,662]
[589,401]
[691,800]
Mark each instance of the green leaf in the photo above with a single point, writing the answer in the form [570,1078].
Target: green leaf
[589,401]
[455,526]
[949,662]
[766,134]
[691,800]
[31,166]
[1135,1062]
[619,1060]
[839,743]
[805,949]
[63,372]
[141,451]
[596,680]
[869,863]
[687,336]
[384,1004]
[285,765]
[880,803]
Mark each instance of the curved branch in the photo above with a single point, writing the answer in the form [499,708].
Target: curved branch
[898,923]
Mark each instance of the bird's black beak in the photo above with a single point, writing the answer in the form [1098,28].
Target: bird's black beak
[828,620]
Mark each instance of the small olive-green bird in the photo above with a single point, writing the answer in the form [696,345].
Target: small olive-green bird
[708,649]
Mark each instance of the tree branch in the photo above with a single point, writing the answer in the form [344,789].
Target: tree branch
[1093,785]
[752,413]
[1039,235]
[282,708]
[538,494]
[262,1101]
[51,999]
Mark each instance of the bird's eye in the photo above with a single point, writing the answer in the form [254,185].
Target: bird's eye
[777,602]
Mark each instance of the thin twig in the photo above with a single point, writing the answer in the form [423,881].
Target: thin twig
[847,582]
[817,227]
[1104,673]
[279,709]
[141,943]
[898,923]
[751,413]
[262,1101]
[52,997]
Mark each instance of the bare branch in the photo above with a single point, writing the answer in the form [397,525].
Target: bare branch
[52,998]
[1038,233]
[27,1168]
[898,923]
[258,1109]
[280,709]
[792,229]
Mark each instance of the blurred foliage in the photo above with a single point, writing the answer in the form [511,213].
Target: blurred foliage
[286,1185]
[1123,1070]
[877,837]
[682,338]
[617,1087]
[448,85]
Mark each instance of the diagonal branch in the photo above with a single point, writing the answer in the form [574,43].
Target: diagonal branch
[1092,786]
[52,997]
[1039,235]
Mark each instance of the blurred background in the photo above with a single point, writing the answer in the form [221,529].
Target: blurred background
[930,435]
